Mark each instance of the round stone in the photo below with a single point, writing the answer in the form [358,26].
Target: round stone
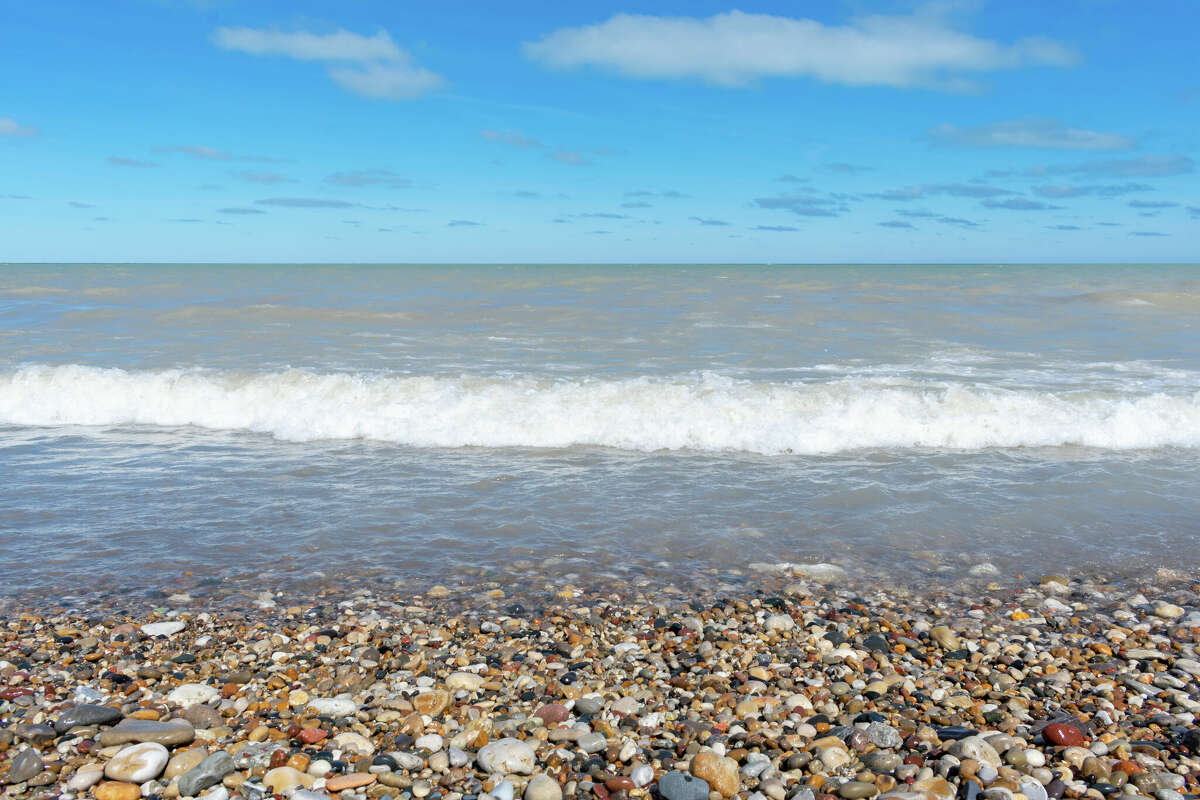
[542,787]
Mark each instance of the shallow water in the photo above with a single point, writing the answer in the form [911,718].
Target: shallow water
[415,421]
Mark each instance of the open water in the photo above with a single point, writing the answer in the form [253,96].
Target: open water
[414,421]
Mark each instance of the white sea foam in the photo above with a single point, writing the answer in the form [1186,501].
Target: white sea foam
[698,412]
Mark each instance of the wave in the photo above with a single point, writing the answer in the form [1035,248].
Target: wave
[702,412]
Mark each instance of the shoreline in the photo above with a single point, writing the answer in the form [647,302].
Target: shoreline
[782,689]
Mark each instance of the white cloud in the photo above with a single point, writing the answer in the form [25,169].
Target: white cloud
[371,66]
[10,127]
[302,46]
[387,81]
[735,49]
[1045,134]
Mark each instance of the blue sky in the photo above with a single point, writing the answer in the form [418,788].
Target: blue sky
[231,130]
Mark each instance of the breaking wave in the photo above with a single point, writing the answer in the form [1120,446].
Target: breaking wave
[701,412]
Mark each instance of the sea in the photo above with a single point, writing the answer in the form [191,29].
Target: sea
[277,425]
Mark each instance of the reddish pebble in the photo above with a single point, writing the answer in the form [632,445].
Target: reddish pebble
[12,693]
[278,758]
[620,784]
[354,780]
[600,791]
[1064,735]
[312,735]
[552,713]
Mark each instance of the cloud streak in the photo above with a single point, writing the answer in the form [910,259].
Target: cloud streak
[304,202]
[736,49]
[10,127]
[370,66]
[511,138]
[369,177]
[118,161]
[1042,134]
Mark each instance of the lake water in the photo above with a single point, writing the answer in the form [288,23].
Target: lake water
[280,423]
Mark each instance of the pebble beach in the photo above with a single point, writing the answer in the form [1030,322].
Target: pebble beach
[797,685]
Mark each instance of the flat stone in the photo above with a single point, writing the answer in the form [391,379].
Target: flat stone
[25,765]
[679,786]
[175,732]
[589,704]
[507,756]
[333,707]
[163,628]
[202,716]
[86,714]
[354,780]
[856,790]
[208,772]
[138,763]
[945,637]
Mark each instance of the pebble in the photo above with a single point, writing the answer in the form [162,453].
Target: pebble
[542,787]
[679,786]
[116,790]
[138,763]
[128,730]
[190,694]
[84,715]
[163,628]
[333,706]
[25,765]
[207,773]
[507,755]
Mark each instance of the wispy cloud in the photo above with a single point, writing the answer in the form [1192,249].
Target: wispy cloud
[895,223]
[669,194]
[1148,233]
[10,127]
[304,202]
[197,151]
[1150,166]
[240,211]
[1054,191]
[792,179]
[600,215]
[263,177]
[79,204]
[1152,204]
[371,66]
[801,205]
[1034,133]
[637,204]
[511,138]
[1064,227]
[842,168]
[776,228]
[737,49]
[570,157]
[709,222]
[369,177]
[973,190]
[118,161]
[934,217]
[463,223]
[1020,204]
